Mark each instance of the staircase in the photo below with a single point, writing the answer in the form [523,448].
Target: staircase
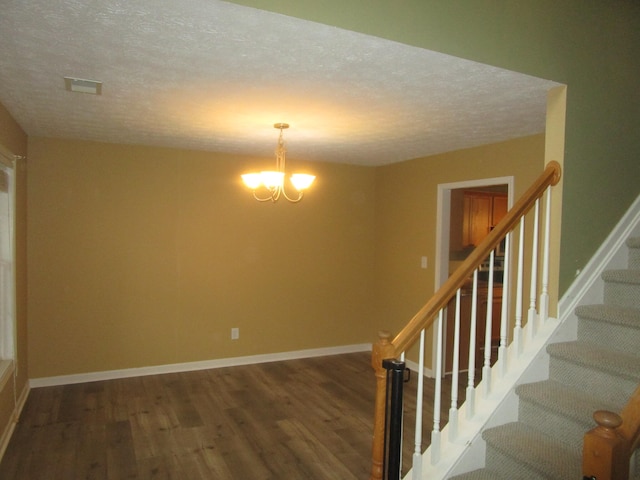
[598,371]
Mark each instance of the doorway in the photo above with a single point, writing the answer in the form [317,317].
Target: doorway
[458,235]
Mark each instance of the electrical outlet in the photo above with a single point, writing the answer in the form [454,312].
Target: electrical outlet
[235,333]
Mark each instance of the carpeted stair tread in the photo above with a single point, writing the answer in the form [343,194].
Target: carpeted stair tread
[564,400]
[532,451]
[482,474]
[599,371]
[615,363]
[627,276]
[616,327]
[633,242]
[625,316]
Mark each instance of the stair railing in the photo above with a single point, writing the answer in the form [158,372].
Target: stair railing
[608,448]
[433,311]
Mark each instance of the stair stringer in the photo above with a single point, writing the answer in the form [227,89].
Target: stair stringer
[467,452]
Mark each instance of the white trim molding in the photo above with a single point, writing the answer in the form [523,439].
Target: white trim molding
[192,366]
[612,254]
[5,437]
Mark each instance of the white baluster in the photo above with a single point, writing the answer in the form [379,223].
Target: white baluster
[504,313]
[471,387]
[533,296]
[417,453]
[437,400]
[517,331]
[453,410]
[531,318]
[544,294]
[486,368]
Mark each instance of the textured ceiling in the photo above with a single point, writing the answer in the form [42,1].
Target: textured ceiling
[210,75]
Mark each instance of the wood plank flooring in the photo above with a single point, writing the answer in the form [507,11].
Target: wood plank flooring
[304,419]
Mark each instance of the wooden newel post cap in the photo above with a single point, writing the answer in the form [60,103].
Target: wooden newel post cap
[384,336]
[606,419]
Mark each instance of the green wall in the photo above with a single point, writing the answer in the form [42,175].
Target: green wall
[592,46]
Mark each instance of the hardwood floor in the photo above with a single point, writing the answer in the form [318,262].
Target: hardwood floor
[302,419]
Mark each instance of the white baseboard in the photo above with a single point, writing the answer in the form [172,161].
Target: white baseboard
[414,366]
[191,366]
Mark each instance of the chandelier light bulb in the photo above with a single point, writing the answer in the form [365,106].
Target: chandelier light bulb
[271,184]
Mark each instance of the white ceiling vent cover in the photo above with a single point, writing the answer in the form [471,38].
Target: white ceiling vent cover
[80,85]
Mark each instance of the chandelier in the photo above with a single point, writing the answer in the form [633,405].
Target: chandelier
[270,184]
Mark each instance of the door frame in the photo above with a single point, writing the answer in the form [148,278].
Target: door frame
[443,225]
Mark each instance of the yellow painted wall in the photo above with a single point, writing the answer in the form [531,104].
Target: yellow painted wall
[144,256]
[14,140]
[406,212]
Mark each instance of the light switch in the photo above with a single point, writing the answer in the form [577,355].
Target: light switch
[423,262]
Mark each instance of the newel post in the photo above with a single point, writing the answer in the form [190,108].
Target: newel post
[382,350]
[605,451]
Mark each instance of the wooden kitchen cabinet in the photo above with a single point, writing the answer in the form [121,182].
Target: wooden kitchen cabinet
[482,211]
[500,208]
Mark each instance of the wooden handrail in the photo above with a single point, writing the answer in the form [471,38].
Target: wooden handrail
[607,449]
[425,317]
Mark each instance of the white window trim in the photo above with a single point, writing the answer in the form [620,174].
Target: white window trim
[8,365]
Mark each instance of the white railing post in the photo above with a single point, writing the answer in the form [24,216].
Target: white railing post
[486,368]
[544,294]
[531,318]
[471,374]
[504,313]
[517,331]
[453,410]
[417,452]
[437,400]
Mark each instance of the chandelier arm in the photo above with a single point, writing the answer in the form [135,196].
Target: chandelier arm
[292,200]
[273,181]
[261,199]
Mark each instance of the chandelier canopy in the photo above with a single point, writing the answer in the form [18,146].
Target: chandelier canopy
[270,184]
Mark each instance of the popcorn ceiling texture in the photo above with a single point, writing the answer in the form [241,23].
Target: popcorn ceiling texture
[209,75]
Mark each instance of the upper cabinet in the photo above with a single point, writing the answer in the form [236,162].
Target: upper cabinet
[481,212]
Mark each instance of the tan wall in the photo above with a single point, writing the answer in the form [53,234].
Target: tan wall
[14,140]
[145,256]
[406,217]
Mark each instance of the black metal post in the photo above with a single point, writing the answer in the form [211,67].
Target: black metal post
[393,435]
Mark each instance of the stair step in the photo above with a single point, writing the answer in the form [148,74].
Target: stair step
[518,451]
[621,288]
[633,244]
[588,368]
[559,411]
[616,327]
[482,474]
[599,371]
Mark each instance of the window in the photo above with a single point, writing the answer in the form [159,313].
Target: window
[7,278]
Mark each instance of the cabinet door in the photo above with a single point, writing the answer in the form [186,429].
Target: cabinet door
[499,209]
[481,218]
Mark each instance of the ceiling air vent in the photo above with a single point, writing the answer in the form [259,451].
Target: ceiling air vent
[83,86]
